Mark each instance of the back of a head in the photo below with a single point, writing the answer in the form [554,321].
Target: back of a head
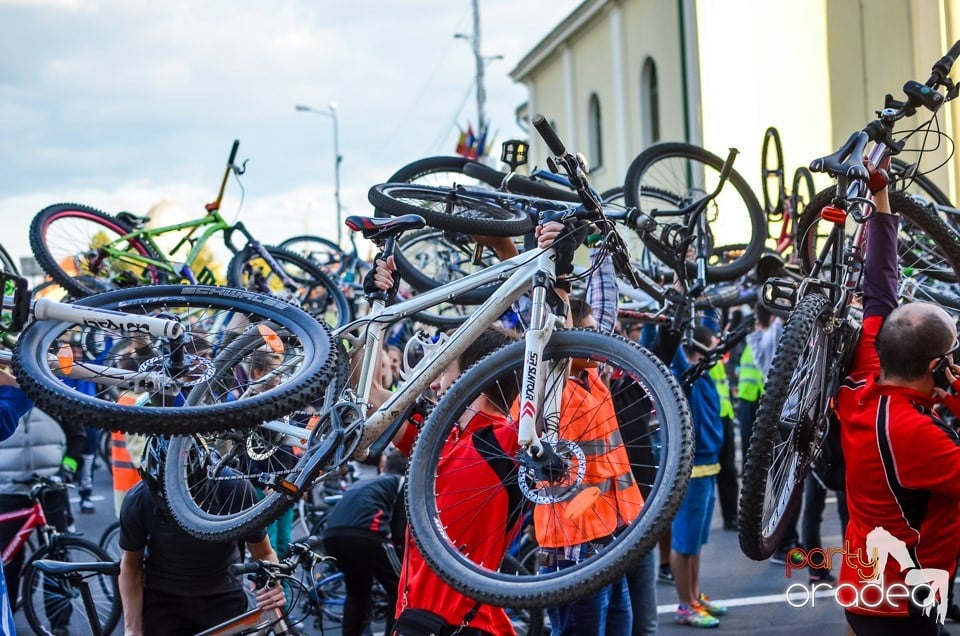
[911,338]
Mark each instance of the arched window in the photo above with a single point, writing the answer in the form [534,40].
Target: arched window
[594,132]
[649,103]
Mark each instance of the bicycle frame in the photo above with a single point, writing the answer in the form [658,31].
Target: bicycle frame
[33,518]
[255,621]
[516,274]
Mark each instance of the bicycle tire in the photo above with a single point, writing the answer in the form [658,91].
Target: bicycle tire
[316,293]
[56,239]
[110,541]
[45,601]
[220,317]
[772,175]
[449,209]
[429,258]
[784,441]
[649,386]
[322,252]
[6,262]
[688,172]
[917,184]
[529,621]
[927,246]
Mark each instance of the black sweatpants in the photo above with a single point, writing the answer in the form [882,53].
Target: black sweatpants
[362,559]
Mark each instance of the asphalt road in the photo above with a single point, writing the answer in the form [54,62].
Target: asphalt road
[753,591]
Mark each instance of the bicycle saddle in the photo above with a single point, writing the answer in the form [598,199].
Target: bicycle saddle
[109,568]
[132,219]
[380,229]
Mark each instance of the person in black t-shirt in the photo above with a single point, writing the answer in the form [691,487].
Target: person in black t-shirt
[360,534]
[170,582]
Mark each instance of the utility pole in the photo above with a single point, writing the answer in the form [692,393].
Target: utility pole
[481,64]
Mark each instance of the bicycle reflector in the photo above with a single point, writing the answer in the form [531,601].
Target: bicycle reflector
[833,214]
[514,153]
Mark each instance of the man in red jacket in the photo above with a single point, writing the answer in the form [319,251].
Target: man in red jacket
[903,462]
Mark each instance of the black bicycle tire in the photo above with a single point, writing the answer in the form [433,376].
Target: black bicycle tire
[802,185]
[305,238]
[534,623]
[110,533]
[334,295]
[913,217]
[7,263]
[922,182]
[421,282]
[757,540]
[49,264]
[772,208]
[635,540]
[54,397]
[30,612]
[757,220]
[484,216]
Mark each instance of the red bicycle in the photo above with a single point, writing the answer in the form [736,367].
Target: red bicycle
[53,605]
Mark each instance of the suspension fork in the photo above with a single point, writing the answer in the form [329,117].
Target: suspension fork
[542,385]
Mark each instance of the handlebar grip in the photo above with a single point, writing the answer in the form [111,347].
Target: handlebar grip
[243,568]
[945,63]
[233,152]
[549,135]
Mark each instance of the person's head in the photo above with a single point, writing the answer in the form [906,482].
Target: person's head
[912,340]
[763,316]
[263,361]
[500,392]
[582,314]
[394,463]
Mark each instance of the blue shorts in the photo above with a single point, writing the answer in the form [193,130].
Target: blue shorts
[691,526]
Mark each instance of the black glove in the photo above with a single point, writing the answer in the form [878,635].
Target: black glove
[68,470]
[370,287]
[567,243]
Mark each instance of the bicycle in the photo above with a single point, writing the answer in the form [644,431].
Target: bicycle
[780,206]
[343,431]
[50,606]
[88,251]
[160,345]
[823,326]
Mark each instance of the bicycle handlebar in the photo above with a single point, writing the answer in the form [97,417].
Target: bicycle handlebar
[847,162]
[549,135]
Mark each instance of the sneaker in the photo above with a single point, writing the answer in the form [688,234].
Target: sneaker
[827,579]
[694,616]
[665,576]
[87,507]
[710,608]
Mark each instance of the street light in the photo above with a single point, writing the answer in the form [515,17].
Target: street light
[331,112]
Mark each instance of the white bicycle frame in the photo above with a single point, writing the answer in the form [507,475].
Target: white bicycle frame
[517,274]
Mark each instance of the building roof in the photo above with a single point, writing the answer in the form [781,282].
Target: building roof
[584,12]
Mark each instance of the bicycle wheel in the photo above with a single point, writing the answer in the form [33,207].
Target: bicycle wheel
[449,209]
[68,241]
[908,180]
[926,245]
[53,606]
[226,330]
[656,454]
[772,174]
[788,431]
[322,252]
[6,262]
[690,172]
[110,541]
[526,622]
[314,291]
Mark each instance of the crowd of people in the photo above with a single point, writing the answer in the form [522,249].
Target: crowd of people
[890,431]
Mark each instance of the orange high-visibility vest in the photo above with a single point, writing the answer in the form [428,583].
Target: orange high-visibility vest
[608,497]
[125,474]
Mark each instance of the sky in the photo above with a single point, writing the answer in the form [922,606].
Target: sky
[119,104]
